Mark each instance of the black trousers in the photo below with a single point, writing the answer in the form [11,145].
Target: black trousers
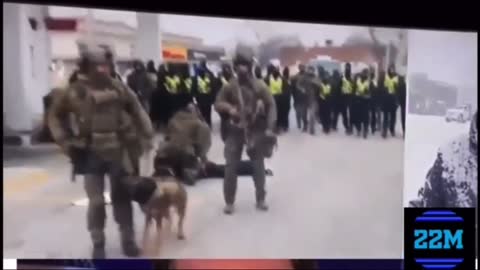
[325,113]
[360,115]
[402,110]
[341,107]
[280,109]
[286,104]
[389,115]
[205,107]
[375,114]
[172,107]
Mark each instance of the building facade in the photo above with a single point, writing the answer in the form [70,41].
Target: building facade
[26,56]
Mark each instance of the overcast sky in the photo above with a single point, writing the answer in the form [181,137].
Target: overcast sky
[218,30]
[446,56]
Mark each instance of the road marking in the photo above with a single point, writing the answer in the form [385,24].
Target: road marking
[22,180]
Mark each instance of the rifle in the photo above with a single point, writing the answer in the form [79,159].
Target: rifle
[78,158]
[243,118]
[267,142]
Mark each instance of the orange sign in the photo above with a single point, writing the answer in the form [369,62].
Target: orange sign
[174,53]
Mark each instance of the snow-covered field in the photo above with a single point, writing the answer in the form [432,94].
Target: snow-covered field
[425,134]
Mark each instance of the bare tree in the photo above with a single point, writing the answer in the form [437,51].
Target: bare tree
[371,32]
[395,42]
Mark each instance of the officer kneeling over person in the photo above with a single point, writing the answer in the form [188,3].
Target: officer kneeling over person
[249,112]
[110,131]
[185,149]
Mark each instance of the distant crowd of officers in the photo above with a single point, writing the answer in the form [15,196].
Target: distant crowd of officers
[367,101]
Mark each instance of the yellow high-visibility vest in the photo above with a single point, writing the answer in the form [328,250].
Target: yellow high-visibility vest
[391,84]
[204,85]
[325,91]
[188,84]
[347,87]
[276,86]
[172,83]
[363,88]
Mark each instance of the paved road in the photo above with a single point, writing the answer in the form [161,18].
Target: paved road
[331,196]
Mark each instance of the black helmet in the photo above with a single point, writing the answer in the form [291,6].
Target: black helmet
[310,70]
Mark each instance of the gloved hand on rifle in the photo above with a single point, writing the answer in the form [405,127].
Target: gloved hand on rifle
[235,118]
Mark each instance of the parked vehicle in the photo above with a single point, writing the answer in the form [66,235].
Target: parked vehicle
[460,114]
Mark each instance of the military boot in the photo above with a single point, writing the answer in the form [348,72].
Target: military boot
[260,199]
[98,240]
[129,247]
[99,251]
[262,206]
[229,209]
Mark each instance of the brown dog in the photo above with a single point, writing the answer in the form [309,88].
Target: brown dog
[156,196]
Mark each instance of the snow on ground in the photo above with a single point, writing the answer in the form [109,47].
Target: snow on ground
[331,196]
[424,136]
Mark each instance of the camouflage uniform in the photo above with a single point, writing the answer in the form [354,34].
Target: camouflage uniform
[310,85]
[247,128]
[300,99]
[107,124]
[453,179]
[188,132]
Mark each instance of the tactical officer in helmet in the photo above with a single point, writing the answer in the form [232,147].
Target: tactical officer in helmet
[107,133]
[299,98]
[249,111]
[310,85]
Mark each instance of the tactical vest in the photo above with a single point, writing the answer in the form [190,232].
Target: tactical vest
[363,88]
[275,86]
[188,85]
[325,90]
[172,84]
[391,84]
[347,87]
[204,86]
[99,116]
